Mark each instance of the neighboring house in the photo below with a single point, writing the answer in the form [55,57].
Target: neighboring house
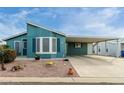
[109,48]
[2,42]
[51,44]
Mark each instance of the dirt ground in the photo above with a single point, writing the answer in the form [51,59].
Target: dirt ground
[38,69]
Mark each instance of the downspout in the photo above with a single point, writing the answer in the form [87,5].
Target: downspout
[118,49]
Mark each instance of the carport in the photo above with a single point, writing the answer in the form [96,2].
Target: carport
[82,45]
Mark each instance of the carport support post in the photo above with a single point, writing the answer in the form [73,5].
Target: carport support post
[118,48]
[97,47]
[106,48]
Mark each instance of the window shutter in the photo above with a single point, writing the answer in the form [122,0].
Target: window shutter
[34,45]
[81,45]
[58,44]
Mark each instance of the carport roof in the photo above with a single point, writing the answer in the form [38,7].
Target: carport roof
[88,39]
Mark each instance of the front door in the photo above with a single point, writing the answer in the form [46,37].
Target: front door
[24,41]
[17,48]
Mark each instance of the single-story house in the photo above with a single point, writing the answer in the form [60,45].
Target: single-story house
[51,44]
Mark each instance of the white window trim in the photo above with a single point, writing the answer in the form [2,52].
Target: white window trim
[36,45]
[56,44]
[50,45]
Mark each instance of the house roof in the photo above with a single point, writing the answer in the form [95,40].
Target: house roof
[37,25]
[34,24]
[69,38]
[13,36]
[88,39]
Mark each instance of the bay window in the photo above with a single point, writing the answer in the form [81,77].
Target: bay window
[54,44]
[46,45]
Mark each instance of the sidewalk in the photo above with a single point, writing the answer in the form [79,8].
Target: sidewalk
[58,80]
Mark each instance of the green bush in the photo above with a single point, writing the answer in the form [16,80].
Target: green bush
[9,55]
[1,48]
[5,46]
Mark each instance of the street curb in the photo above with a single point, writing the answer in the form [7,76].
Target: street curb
[61,81]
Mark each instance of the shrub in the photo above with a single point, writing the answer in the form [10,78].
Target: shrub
[5,46]
[1,48]
[9,55]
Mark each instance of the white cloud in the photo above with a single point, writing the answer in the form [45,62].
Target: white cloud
[7,30]
[96,25]
[109,12]
[11,23]
[22,14]
[87,21]
[93,23]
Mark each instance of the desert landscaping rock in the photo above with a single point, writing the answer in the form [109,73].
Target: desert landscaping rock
[30,68]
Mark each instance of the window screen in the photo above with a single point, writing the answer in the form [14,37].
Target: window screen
[38,44]
[54,48]
[45,44]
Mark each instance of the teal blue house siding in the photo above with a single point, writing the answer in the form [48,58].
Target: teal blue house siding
[10,42]
[71,50]
[34,31]
[60,45]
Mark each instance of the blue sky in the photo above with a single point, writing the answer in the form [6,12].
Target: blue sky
[72,21]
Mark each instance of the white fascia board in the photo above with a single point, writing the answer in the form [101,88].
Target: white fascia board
[13,36]
[107,37]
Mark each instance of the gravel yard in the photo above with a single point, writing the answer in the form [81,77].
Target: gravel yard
[38,69]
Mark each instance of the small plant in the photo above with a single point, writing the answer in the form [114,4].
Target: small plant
[66,59]
[37,57]
[16,68]
[5,46]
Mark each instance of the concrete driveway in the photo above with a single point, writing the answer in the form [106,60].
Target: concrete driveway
[98,66]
